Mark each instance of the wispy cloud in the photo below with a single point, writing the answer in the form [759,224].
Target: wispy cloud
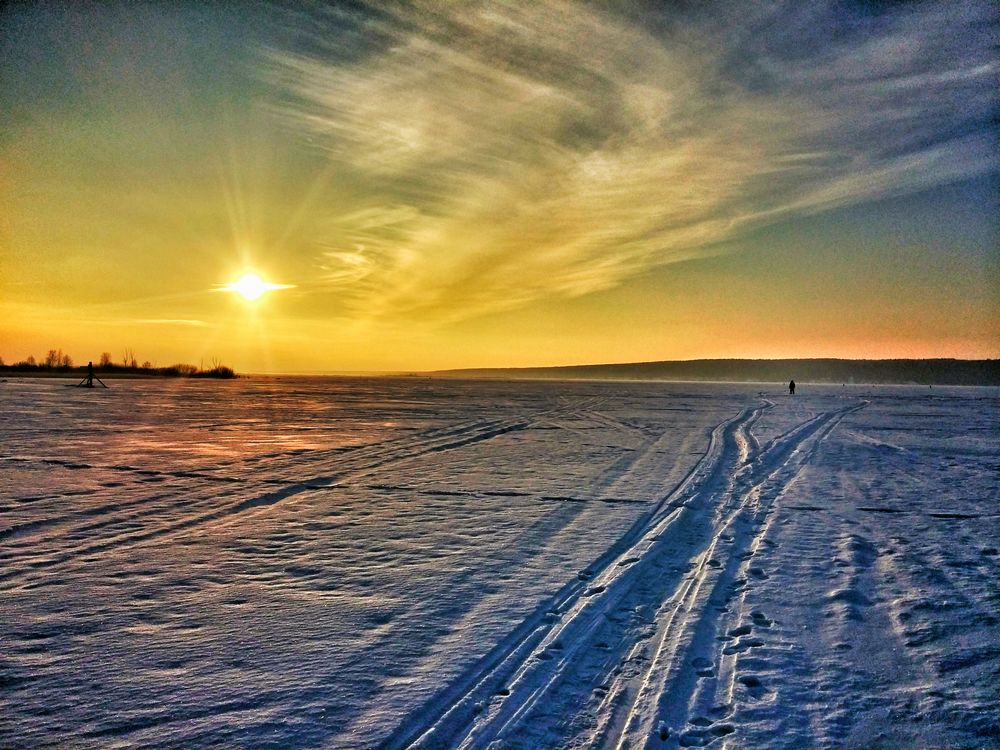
[515,151]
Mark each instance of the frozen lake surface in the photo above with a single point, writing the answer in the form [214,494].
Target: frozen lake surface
[412,563]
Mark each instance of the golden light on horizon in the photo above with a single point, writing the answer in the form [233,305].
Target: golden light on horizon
[252,287]
[498,197]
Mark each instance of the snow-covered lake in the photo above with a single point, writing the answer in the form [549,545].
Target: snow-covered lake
[416,563]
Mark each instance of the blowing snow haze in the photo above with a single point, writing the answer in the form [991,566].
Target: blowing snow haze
[431,185]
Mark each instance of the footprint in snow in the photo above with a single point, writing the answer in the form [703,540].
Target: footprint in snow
[703,667]
[702,737]
[720,711]
[743,644]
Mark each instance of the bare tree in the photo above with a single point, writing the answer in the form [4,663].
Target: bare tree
[65,361]
[147,365]
[128,357]
[52,358]
[105,359]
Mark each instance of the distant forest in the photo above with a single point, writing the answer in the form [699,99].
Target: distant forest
[862,371]
[58,363]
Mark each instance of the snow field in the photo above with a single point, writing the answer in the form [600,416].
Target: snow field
[413,563]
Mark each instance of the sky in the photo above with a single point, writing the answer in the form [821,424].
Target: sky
[428,185]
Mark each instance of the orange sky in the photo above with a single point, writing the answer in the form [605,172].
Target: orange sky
[427,195]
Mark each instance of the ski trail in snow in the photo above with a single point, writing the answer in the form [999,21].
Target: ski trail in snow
[614,659]
[369,456]
[203,505]
[440,722]
[676,696]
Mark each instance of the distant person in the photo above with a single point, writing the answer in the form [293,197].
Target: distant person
[89,378]
[791,388]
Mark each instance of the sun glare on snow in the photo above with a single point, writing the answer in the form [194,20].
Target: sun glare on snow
[251,287]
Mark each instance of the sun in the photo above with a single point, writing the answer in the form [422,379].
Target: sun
[252,287]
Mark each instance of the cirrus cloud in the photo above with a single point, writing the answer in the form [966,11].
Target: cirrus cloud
[516,151]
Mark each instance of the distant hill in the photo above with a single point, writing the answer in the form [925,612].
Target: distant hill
[885,371]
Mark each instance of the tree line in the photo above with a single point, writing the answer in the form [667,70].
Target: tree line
[56,361]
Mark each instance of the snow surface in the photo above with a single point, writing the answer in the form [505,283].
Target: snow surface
[407,563]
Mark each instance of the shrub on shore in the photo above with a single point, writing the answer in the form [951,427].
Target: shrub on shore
[58,363]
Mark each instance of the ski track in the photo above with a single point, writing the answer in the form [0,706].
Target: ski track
[370,456]
[326,472]
[671,636]
[671,572]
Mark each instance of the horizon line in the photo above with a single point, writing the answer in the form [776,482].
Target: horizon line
[405,371]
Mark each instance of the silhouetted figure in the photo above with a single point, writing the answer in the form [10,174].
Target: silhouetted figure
[791,388]
[88,381]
